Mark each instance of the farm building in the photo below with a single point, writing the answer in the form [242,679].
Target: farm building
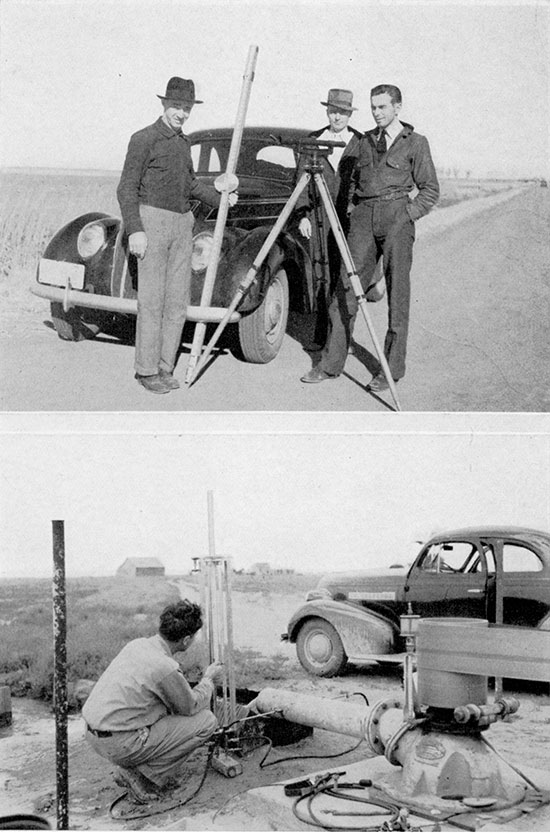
[136,567]
[264,568]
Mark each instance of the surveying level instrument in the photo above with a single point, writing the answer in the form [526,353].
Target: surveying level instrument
[315,150]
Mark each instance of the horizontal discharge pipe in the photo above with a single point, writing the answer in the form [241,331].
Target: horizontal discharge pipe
[339,716]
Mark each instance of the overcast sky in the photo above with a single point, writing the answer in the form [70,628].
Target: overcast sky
[79,76]
[311,501]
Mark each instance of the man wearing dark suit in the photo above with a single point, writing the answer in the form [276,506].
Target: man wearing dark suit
[392,160]
[337,170]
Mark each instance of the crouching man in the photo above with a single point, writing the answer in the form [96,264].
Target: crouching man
[142,713]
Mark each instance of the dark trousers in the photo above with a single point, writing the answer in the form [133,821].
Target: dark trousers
[377,228]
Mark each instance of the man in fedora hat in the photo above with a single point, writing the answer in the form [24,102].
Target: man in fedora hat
[392,161]
[155,189]
[337,173]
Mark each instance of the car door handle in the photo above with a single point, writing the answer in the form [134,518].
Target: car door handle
[475,590]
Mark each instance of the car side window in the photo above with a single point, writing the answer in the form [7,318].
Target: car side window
[517,558]
[452,557]
[275,161]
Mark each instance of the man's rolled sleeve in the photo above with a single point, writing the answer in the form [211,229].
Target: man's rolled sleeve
[425,179]
[130,180]
[180,698]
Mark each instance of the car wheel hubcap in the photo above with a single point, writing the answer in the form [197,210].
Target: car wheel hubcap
[274,301]
[319,647]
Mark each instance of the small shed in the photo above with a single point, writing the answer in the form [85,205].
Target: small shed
[137,567]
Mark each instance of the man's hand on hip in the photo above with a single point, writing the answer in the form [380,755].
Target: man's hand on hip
[137,243]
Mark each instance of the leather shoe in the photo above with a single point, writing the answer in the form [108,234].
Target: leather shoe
[378,384]
[141,790]
[154,384]
[376,291]
[169,379]
[316,375]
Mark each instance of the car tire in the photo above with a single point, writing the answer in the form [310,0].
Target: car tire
[320,649]
[261,332]
[77,324]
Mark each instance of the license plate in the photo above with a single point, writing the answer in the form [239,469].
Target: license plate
[57,273]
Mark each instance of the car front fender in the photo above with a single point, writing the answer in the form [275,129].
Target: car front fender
[98,269]
[237,263]
[364,633]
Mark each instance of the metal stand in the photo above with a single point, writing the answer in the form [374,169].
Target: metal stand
[216,604]
[313,169]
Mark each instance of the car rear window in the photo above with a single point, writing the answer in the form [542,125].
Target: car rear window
[519,559]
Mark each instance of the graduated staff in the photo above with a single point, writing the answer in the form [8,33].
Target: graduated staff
[156,187]
[142,713]
[392,160]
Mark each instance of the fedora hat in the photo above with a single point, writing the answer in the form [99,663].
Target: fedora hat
[180,89]
[339,98]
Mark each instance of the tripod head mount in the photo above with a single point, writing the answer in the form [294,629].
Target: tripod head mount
[316,150]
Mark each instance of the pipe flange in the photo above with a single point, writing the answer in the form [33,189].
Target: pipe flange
[372,727]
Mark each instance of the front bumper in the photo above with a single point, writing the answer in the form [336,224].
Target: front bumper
[74,298]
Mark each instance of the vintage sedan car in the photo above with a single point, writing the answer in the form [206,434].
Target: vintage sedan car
[498,574]
[91,280]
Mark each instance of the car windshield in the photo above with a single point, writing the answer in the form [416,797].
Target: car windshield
[257,158]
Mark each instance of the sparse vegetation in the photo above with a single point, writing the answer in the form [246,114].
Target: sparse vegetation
[102,615]
[34,205]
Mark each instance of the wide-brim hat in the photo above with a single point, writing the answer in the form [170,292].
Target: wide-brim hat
[180,89]
[343,99]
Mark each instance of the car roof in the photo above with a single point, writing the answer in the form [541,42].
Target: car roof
[284,135]
[490,532]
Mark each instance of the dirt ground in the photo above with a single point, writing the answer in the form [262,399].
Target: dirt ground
[27,762]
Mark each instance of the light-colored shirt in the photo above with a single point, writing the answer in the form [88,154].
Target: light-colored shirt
[337,153]
[142,684]
[392,132]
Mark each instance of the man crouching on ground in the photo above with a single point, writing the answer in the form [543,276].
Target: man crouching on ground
[142,713]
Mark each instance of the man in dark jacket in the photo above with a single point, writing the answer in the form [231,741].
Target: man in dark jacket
[337,170]
[155,189]
[392,160]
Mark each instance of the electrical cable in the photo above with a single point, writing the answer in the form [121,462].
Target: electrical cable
[169,807]
[263,765]
[516,769]
[387,807]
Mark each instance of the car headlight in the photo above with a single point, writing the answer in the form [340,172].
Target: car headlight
[318,593]
[92,239]
[202,248]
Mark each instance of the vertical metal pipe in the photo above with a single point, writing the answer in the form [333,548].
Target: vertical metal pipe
[211,539]
[228,569]
[60,675]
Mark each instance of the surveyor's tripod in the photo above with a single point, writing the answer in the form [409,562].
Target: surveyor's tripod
[313,170]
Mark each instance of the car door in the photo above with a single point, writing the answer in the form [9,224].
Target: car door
[449,578]
[525,596]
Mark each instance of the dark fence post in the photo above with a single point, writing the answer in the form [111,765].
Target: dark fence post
[60,675]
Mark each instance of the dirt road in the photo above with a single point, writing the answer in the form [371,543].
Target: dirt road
[478,336]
